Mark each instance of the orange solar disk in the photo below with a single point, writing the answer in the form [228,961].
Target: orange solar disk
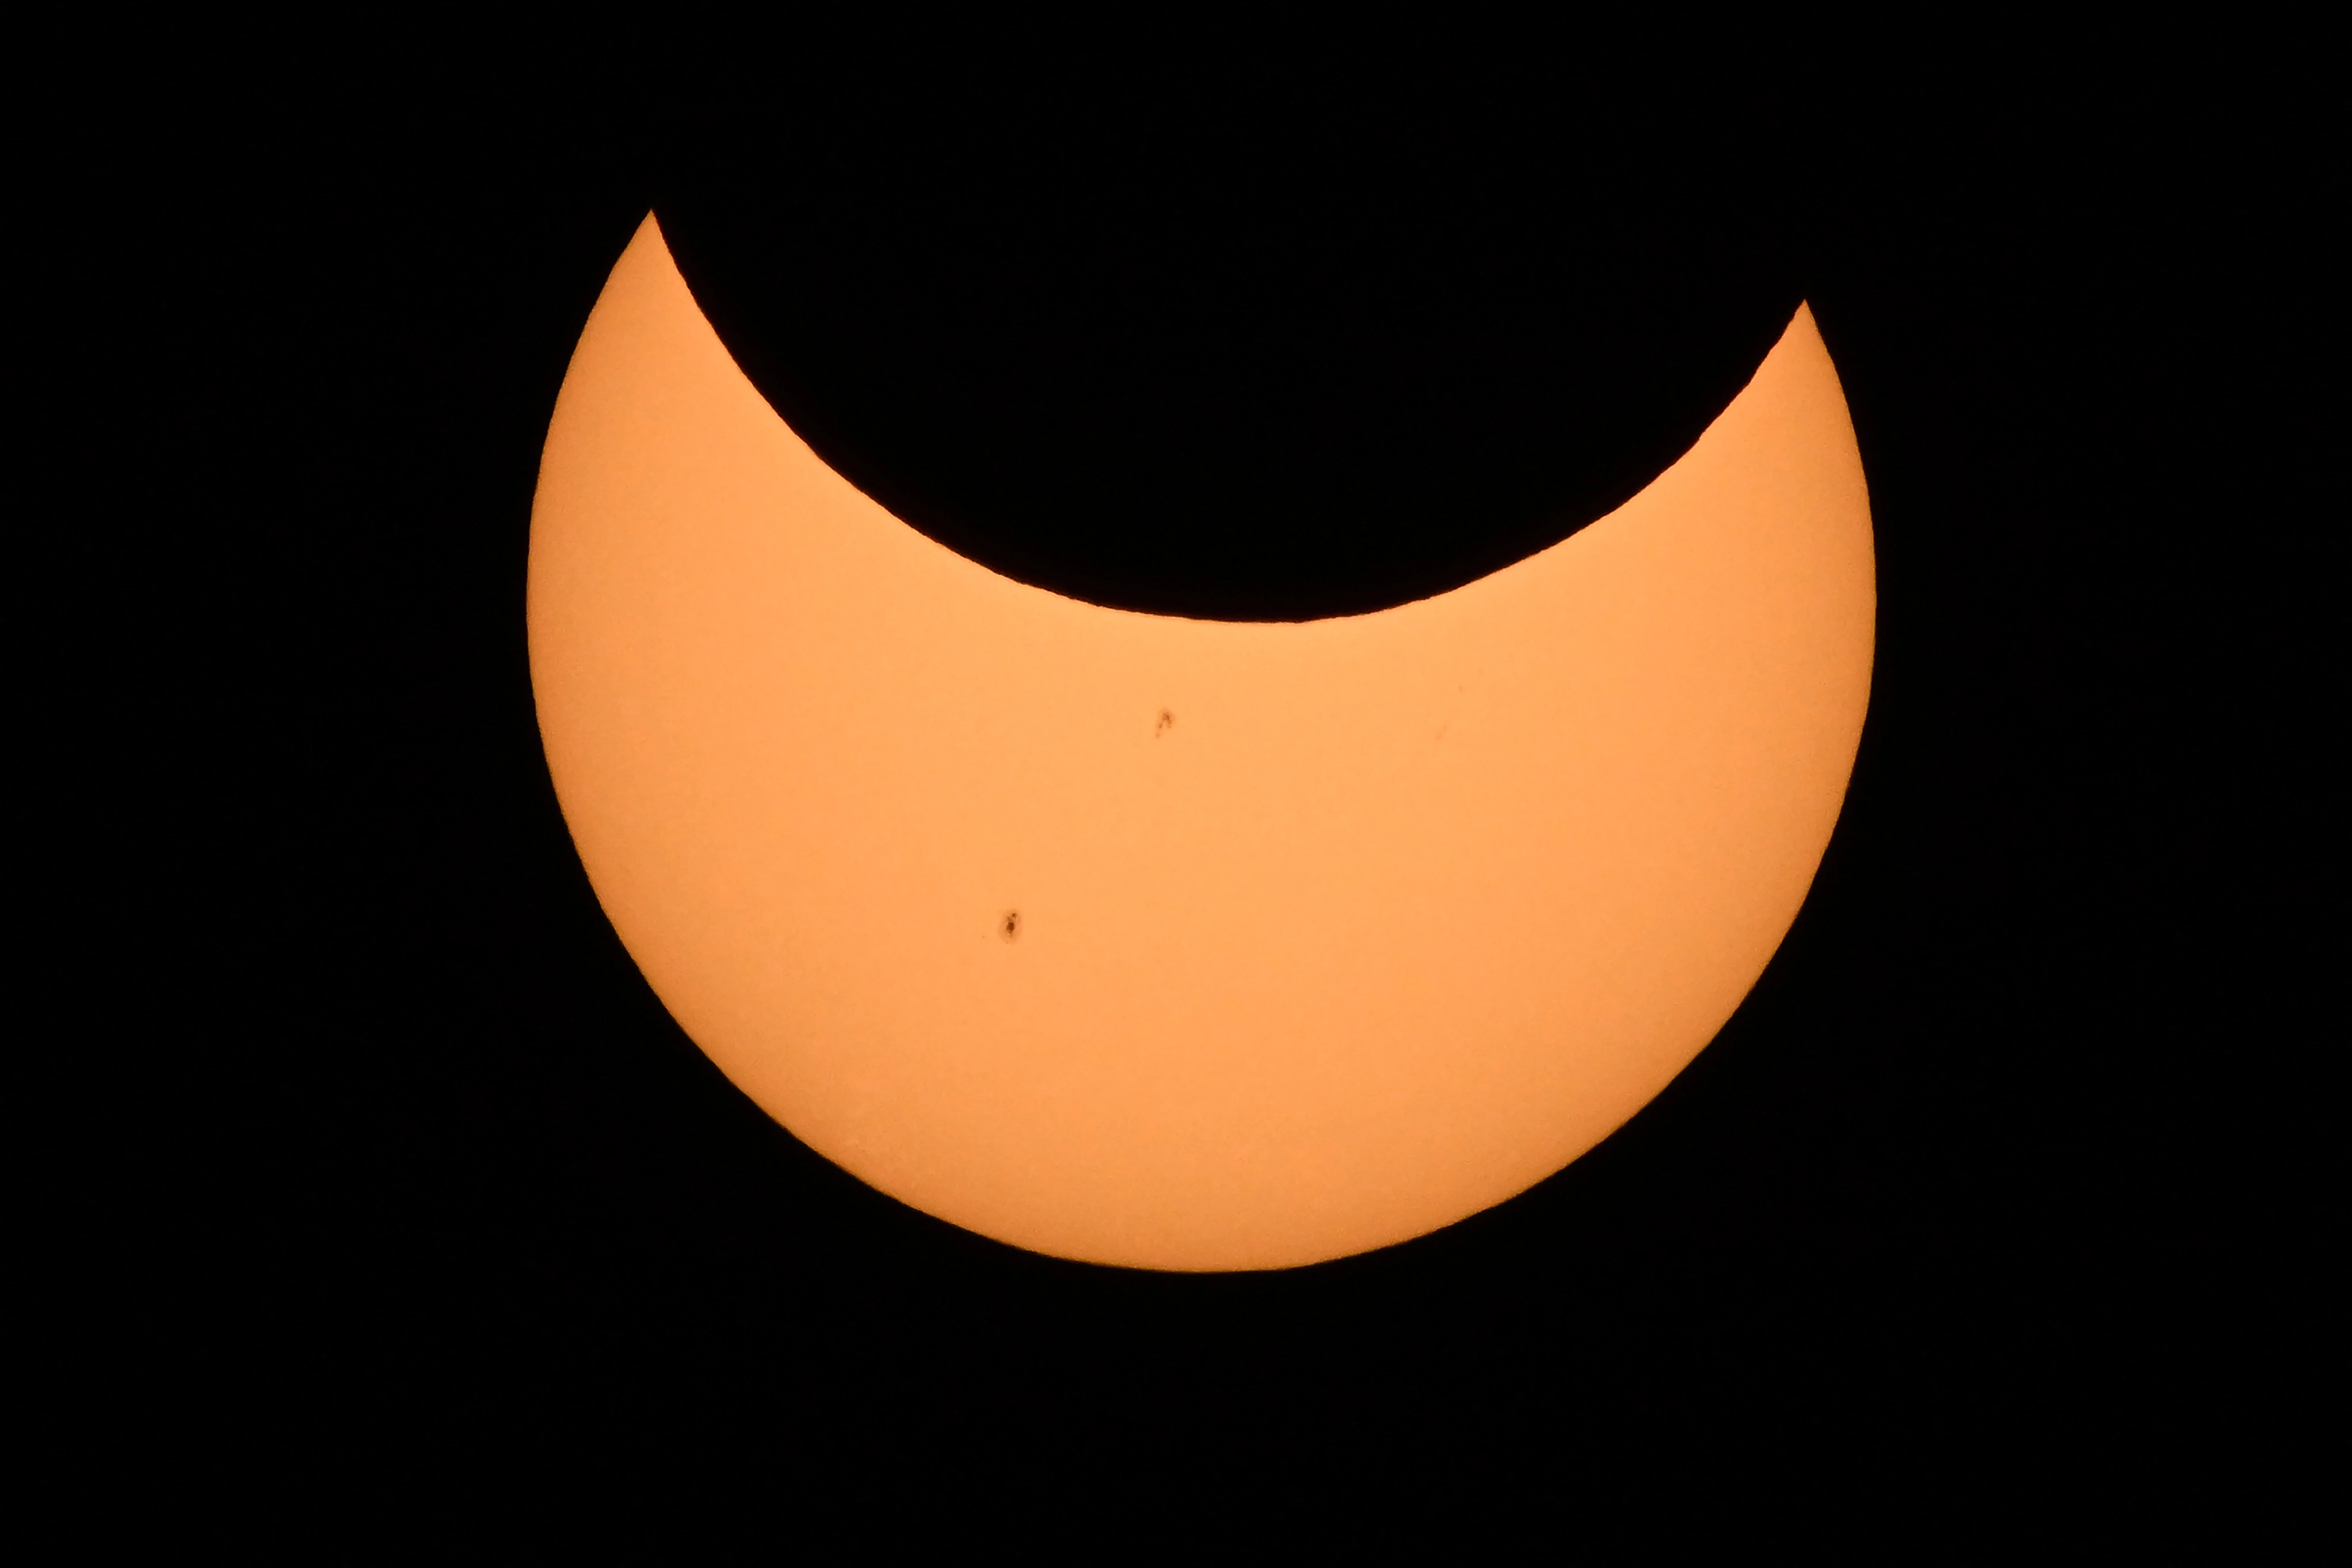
[1173,943]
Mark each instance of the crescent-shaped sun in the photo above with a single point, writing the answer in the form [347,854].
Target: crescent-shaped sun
[1173,944]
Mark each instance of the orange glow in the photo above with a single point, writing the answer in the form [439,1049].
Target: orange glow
[1183,944]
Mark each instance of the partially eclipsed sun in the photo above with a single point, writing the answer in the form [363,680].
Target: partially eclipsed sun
[1173,944]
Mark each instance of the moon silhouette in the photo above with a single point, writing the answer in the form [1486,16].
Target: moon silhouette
[1173,944]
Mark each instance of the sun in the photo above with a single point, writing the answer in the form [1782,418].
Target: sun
[1177,943]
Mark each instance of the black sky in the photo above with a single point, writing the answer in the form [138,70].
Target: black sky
[439,1191]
